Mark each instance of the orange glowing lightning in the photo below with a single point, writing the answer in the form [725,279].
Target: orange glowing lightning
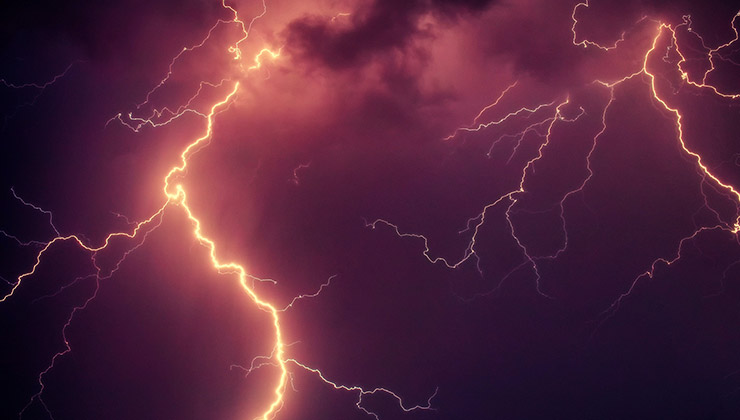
[176,195]
[476,222]
[734,228]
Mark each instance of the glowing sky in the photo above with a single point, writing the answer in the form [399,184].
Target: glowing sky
[330,209]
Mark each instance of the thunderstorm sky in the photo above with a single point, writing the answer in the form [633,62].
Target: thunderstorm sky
[486,209]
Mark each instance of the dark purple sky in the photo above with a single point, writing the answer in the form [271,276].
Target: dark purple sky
[563,254]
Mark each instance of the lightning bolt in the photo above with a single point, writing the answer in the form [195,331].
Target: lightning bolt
[556,112]
[510,198]
[176,197]
[301,166]
[38,86]
[38,89]
[733,228]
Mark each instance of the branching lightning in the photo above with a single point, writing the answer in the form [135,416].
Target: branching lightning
[733,227]
[661,30]
[509,197]
[541,120]
[175,196]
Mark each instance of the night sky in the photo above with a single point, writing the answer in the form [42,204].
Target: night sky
[453,209]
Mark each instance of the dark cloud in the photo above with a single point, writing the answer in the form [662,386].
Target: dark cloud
[384,25]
